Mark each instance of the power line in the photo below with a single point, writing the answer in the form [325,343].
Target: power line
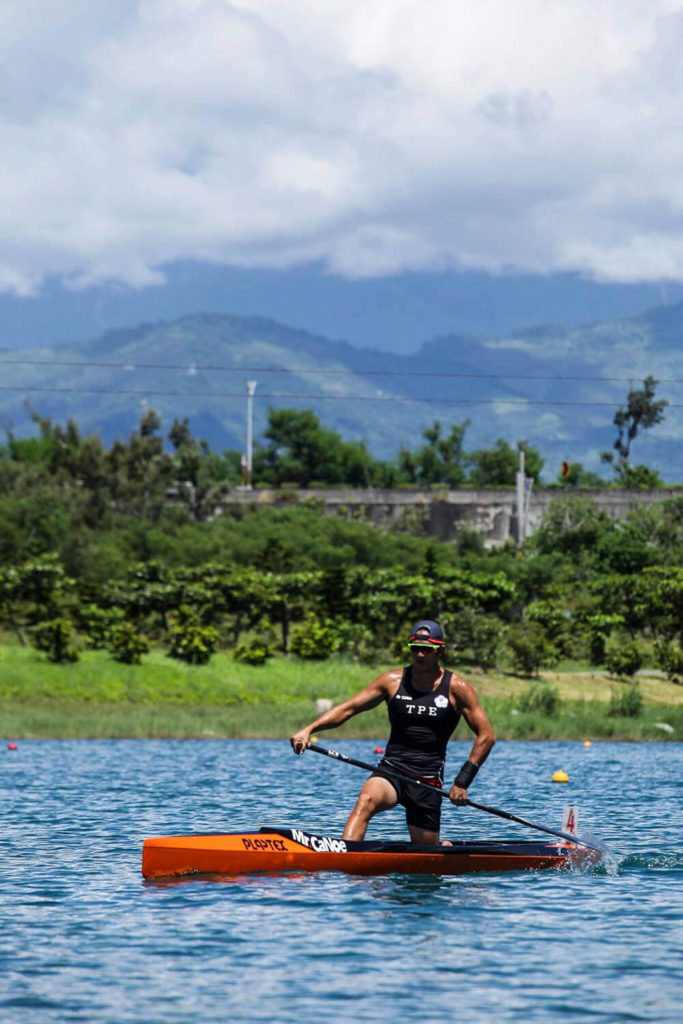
[314,398]
[219,368]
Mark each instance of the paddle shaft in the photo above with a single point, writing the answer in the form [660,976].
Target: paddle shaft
[444,795]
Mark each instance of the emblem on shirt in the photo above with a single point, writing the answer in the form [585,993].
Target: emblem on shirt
[441,701]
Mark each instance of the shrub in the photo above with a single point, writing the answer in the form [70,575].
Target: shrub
[314,640]
[540,697]
[555,621]
[252,652]
[189,641]
[480,634]
[599,629]
[54,638]
[626,703]
[126,645]
[398,648]
[469,542]
[624,660]
[597,646]
[193,643]
[530,649]
[98,624]
[487,640]
[360,642]
[670,660]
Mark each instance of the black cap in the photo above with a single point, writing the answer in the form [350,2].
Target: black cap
[432,634]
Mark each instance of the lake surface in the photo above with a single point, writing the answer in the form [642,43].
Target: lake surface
[84,938]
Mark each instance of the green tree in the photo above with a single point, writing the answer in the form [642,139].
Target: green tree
[479,635]
[285,597]
[640,477]
[658,592]
[583,479]
[180,434]
[571,525]
[555,621]
[202,478]
[530,648]
[669,658]
[35,515]
[140,472]
[440,461]
[624,659]
[599,627]
[641,412]
[151,588]
[301,451]
[497,466]
[98,623]
[31,592]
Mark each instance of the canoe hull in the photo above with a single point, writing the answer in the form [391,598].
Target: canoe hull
[291,850]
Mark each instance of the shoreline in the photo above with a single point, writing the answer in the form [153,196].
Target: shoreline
[100,698]
[85,720]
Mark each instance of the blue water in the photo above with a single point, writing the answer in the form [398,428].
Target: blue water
[83,938]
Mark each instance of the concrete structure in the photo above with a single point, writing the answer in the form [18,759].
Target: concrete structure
[442,514]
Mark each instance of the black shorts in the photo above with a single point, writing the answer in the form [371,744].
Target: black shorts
[423,809]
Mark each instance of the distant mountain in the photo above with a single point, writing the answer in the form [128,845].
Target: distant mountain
[394,313]
[197,367]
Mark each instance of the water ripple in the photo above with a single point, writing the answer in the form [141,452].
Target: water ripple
[83,938]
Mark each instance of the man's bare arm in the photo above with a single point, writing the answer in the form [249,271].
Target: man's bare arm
[370,697]
[476,718]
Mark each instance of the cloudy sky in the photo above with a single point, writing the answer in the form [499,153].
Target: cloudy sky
[376,137]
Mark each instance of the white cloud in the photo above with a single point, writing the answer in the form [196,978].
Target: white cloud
[376,137]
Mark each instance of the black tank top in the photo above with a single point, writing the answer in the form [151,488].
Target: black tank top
[421,726]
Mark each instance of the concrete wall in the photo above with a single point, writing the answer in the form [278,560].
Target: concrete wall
[443,513]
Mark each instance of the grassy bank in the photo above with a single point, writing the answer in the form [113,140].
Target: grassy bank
[98,697]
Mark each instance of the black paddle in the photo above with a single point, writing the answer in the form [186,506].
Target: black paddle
[444,795]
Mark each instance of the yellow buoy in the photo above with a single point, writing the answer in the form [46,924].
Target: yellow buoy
[587,743]
[314,739]
[560,776]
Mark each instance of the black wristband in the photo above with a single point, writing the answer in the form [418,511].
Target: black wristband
[466,775]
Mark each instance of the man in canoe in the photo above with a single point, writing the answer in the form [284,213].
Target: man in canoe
[425,702]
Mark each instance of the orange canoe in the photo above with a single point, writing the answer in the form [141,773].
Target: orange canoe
[291,850]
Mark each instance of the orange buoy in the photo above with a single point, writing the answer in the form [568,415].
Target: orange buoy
[12,746]
[378,750]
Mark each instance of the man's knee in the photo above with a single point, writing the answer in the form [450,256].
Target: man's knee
[367,804]
[371,800]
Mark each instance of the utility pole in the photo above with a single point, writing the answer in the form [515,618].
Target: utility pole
[251,388]
[521,500]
